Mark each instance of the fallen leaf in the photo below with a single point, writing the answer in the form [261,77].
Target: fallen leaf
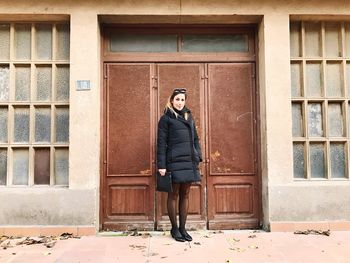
[197,243]
[30,241]
[134,232]
[6,244]
[137,246]
[233,241]
[207,235]
[50,244]
[238,249]
[228,261]
[252,236]
[253,246]
[47,253]
[66,236]
[3,238]
[314,232]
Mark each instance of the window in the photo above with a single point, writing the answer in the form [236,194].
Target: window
[180,42]
[320,88]
[34,104]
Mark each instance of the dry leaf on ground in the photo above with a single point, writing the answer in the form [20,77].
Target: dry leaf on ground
[253,246]
[313,232]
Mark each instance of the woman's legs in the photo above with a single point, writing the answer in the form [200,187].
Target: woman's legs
[183,203]
[183,209]
[182,191]
[172,198]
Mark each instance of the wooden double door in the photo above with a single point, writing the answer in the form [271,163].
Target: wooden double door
[222,98]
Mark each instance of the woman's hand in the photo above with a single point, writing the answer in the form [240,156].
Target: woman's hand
[162,171]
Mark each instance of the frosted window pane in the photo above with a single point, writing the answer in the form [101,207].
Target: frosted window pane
[335,120]
[3,166]
[4,83]
[298,160]
[42,166]
[313,39]
[295,30]
[347,76]
[347,40]
[63,40]
[44,78]
[333,80]
[143,43]
[62,83]
[4,42]
[348,116]
[317,160]
[23,42]
[21,125]
[3,124]
[22,84]
[61,167]
[313,80]
[297,120]
[42,124]
[20,166]
[296,79]
[337,160]
[215,43]
[332,40]
[44,42]
[62,125]
[315,120]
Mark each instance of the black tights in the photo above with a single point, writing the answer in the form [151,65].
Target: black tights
[182,191]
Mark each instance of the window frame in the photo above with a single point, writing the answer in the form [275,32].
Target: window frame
[298,35]
[33,63]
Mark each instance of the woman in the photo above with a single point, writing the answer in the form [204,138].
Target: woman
[179,152]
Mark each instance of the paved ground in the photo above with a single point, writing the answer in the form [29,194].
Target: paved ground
[207,246]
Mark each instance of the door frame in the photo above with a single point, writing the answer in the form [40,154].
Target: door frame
[197,57]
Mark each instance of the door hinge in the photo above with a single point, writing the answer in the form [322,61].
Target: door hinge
[155,82]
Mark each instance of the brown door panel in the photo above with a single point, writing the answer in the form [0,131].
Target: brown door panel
[232,178]
[129,184]
[129,120]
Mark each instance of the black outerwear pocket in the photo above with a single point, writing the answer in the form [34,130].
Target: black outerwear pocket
[164,183]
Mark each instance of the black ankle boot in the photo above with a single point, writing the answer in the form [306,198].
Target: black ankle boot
[175,233]
[184,234]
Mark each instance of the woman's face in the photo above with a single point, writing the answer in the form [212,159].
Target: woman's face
[179,101]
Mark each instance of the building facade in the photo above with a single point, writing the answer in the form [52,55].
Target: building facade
[83,84]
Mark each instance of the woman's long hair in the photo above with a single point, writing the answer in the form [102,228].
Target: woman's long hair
[169,106]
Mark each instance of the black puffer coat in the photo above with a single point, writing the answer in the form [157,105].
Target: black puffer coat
[178,148]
